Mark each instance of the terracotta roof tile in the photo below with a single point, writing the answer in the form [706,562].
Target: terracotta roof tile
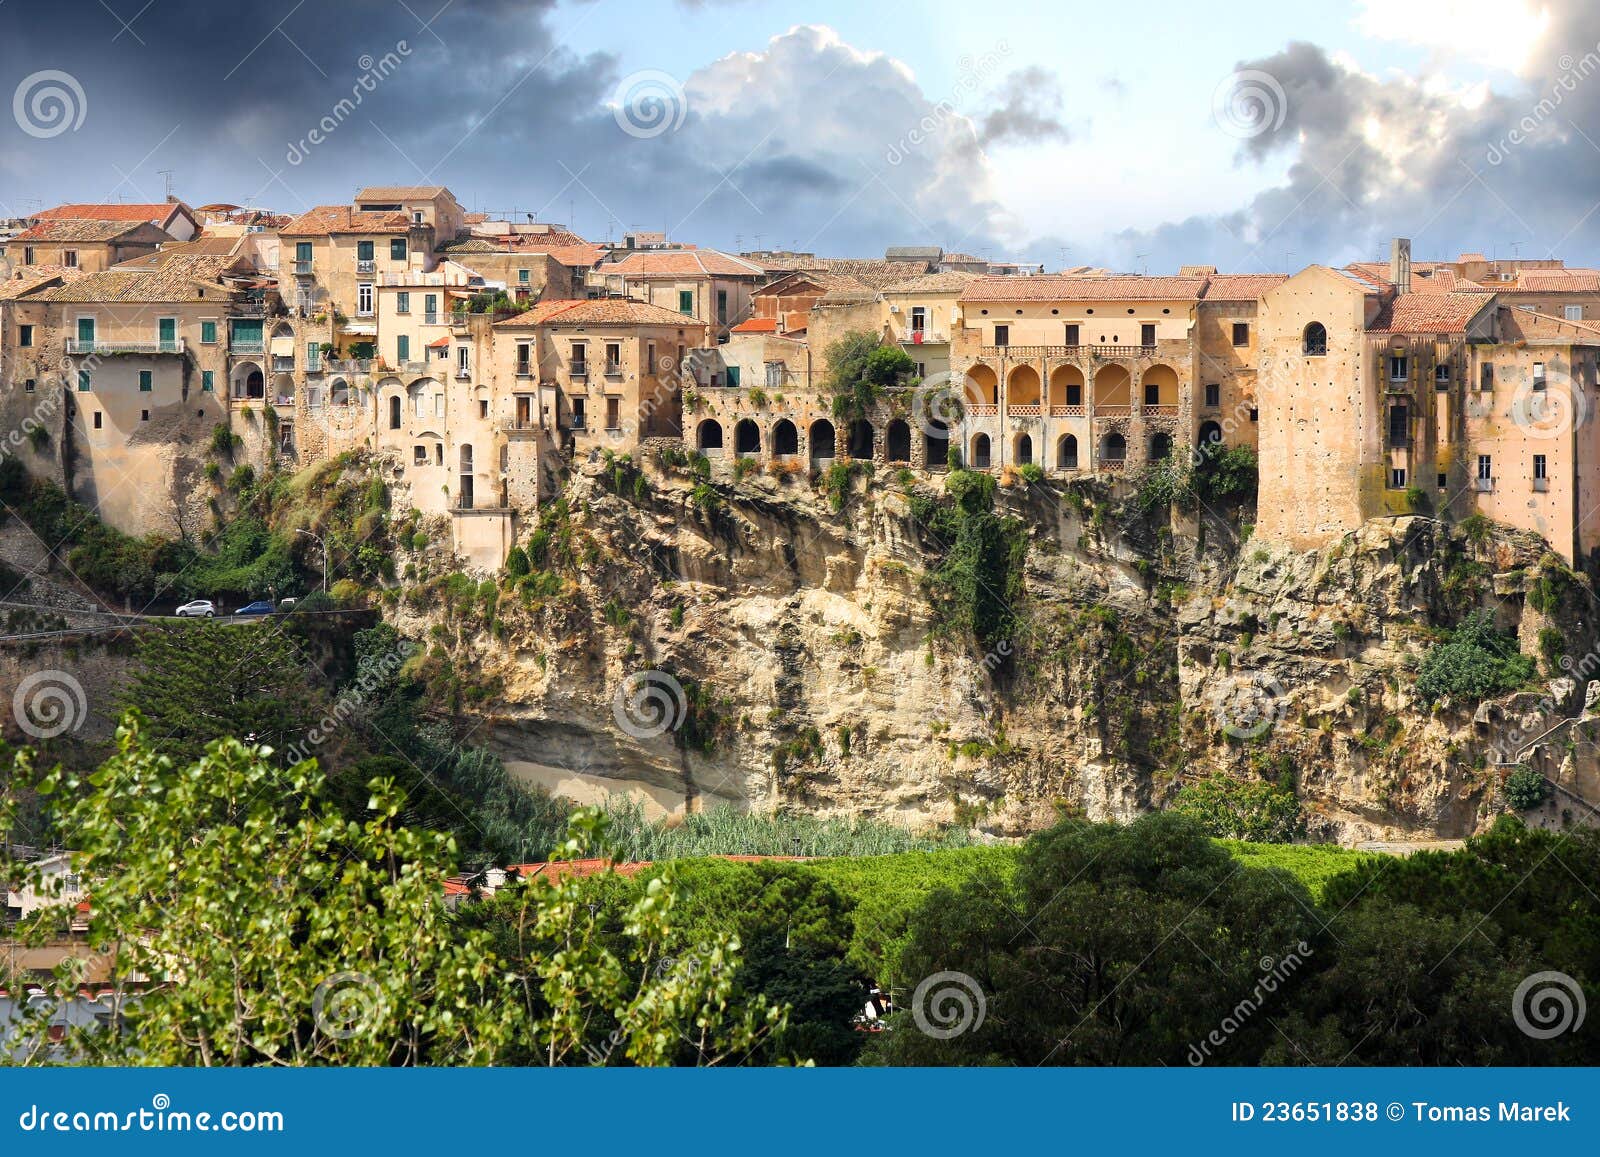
[1429,312]
[757,325]
[1242,286]
[598,311]
[155,212]
[683,263]
[1051,287]
[948,282]
[1557,281]
[80,229]
[327,219]
[400,192]
[176,280]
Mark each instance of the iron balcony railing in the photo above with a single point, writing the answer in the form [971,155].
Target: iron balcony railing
[98,346]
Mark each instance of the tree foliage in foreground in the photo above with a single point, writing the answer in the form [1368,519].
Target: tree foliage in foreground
[281,933]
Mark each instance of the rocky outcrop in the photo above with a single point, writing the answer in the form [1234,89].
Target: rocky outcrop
[710,642]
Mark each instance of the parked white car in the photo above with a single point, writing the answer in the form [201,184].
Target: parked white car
[198,609]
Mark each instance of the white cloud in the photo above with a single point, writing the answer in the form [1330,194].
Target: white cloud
[1499,33]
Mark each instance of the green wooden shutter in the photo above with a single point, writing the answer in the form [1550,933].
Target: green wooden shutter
[206,381]
[208,332]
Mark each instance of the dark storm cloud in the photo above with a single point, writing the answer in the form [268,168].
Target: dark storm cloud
[1028,111]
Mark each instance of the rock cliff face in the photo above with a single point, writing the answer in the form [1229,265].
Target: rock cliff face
[693,643]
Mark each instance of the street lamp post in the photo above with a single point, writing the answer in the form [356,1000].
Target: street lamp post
[322,543]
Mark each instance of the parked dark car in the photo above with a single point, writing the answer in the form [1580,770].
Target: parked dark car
[259,607]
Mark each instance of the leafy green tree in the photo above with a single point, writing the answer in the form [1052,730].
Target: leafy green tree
[204,680]
[1232,809]
[1476,663]
[1525,789]
[1113,945]
[860,368]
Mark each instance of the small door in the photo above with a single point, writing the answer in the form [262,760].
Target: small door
[524,412]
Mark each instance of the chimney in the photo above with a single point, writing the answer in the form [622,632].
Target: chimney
[1400,264]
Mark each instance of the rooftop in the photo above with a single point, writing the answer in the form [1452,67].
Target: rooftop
[179,279]
[329,219]
[1429,312]
[683,263]
[598,311]
[82,229]
[1053,287]
[153,211]
[400,192]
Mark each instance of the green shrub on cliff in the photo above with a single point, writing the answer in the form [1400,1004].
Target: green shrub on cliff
[1476,662]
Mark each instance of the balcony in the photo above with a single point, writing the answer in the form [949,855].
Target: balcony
[516,428]
[579,372]
[283,365]
[1029,352]
[1158,410]
[524,369]
[366,266]
[1066,411]
[302,269]
[1541,485]
[1113,464]
[1113,411]
[1022,411]
[983,411]
[247,346]
[613,369]
[1485,485]
[917,337]
[431,318]
[463,373]
[95,346]
[349,365]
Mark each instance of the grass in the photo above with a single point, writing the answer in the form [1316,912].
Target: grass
[1312,864]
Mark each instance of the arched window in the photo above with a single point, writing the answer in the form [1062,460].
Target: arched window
[1314,342]
[822,438]
[1114,448]
[709,435]
[785,438]
[1160,447]
[1210,435]
[1067,453]
[394,412]
[746,438]
[899,441]
[980,452]
[1024,450]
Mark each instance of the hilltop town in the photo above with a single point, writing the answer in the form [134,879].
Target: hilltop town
[478,360]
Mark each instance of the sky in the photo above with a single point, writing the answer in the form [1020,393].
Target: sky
[1259,137]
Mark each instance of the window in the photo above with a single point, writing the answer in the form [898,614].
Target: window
[483,407]
[208,333]
[363,251]
[27,255]
[1255,414]
[430,309]
[578,363]
[613,357]
[25,335]
[69,258]
[919,319]
[686,301]
[1074,394]
[402,303]
[722,305]
[524,359]
[1538,375]
[1441,376]
[1147,334]
[145,384]
[1399,426]
[524,276]
[1486,376]
[394,412]
[1572,312]
[1072,335]
[1314,340]
[463,360]
[774,375]
[1485,466]
[1241,333]
[1399,365]
[364,299]
[144,415]
[1152,394]
[613,416]
[402,348]
[1213,394]
[578,419]
[438,405]
[438,453]
[1397,478]
[397,249]
[208,382]
[313,357]
[28,386]
[1443,482]
[733,376]
[98,418]
[650,357]
[1539,468]
[419,455]
[416,216]
[83,381]
[1002,335]
[302,251]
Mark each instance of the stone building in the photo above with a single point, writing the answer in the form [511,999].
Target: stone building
[710,286]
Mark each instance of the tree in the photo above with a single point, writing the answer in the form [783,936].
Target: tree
[1114,945]
[860,368]
[202,681]
[1525,789]
[284,934]
[1476,663]
[1231,809]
